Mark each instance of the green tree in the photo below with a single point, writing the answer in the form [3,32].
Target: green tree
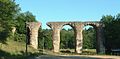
[8,10]
[45,39]
[112,32]
[21,19]
[89,38]
[67,39]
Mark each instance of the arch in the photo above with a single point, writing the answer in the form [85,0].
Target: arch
[73,39]
[69,24]
[77,26]
[89,36]
[98,26]
[93,24]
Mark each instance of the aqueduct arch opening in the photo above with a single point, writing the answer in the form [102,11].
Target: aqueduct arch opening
[89,37]
[98,27]
[67,41]
[77,26]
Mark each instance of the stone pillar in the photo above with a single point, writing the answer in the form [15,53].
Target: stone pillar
[56,39]
[33,27]
[100,40]
[79,39]
[56,27]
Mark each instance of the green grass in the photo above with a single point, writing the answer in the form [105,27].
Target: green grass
[15,50]
[71,52]
[84,52]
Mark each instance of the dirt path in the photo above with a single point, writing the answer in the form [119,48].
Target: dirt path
[76,57]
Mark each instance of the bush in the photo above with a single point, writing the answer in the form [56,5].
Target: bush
[19,37]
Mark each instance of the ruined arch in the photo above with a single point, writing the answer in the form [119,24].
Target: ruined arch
[89,37]
[96,26]
[69,24]
[77,26]
[67,42]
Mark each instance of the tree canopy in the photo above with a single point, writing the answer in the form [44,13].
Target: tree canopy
[112,32]
[10,16]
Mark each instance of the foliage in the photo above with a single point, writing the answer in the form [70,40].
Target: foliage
[67,39]
[10,16]
[21,19]
[15,50]
[20,37]
[45,39]
[89,38]
[112,32]
[8,9]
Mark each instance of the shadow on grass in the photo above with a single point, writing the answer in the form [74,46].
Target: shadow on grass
[40,55]
[66,51]
[74,53]
[6,55]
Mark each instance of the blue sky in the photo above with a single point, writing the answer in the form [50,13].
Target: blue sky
[69,10]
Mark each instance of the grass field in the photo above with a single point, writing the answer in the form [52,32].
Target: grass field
[17,50]
[71,52]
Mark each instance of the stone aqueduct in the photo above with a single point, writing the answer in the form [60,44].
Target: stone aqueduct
[77,27]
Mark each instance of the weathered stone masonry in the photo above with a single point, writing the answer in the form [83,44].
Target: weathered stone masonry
[78,28]
[33,28]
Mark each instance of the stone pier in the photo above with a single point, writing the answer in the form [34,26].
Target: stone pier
[78,37]
[33,28]
[100,39]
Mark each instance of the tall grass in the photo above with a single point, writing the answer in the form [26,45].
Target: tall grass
[15,50]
